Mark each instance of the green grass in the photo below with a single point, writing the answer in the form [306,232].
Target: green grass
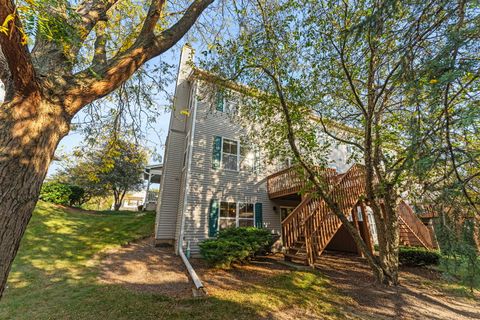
[54,277]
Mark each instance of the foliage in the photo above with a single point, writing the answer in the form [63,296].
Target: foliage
[236,245]
[417,257]
[62,193]
[390,79]
[461,256]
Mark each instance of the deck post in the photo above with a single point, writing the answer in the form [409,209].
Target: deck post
[366,226]
[355,222]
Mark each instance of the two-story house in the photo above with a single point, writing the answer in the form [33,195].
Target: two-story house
[213,179]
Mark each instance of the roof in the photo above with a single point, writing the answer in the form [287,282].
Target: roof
[155,172]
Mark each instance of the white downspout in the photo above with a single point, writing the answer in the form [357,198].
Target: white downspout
[191,271]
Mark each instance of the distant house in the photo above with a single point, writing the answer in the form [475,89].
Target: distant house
[213,178]
[145,199]
[132,200]
[152,174]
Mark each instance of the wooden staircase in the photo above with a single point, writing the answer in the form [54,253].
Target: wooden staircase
[310,227]
[413,232]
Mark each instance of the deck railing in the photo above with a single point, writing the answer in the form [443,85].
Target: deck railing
[416,225]
[313,219]
[288,181]
[284,182]
[322,224]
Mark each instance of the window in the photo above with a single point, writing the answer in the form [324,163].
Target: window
[228,214]
[234,214]
[247,158]
[245,215]
[230,154]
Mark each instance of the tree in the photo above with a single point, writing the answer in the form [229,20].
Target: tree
[354,73]
[81,51]
[113,167]
[120,166]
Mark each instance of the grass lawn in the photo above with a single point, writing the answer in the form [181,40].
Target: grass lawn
[55,277]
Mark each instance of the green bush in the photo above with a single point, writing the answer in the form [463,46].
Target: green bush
[414,257]
[236,245]
[62,193]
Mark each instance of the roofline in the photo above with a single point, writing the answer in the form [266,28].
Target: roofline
[205,75]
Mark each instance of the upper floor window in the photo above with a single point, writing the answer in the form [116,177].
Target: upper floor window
[225,102]
[230,154]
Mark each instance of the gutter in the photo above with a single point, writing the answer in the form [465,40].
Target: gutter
[196,280]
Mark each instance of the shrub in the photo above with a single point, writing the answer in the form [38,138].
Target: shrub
[414,257]
[62,193]
[236,245]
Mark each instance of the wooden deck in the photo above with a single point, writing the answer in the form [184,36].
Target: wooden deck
[310,227]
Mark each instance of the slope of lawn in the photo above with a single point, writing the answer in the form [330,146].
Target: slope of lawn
[55,277]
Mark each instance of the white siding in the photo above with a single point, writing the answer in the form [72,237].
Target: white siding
[171,181]
[207,183]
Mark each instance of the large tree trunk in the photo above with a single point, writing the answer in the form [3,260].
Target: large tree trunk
[30,129]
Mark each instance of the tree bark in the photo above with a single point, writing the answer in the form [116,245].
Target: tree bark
[30,129]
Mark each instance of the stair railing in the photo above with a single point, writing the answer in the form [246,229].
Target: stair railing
[322,224]
[415,225]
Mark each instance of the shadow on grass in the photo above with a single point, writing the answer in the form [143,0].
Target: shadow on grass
[55,276]
[417,297]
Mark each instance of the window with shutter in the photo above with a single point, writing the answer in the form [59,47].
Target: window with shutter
[216,152]
[213,218]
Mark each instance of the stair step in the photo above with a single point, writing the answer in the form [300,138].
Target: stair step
[298,249]
[295,256]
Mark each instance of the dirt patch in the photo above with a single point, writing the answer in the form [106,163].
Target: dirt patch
[418,296]
[142,267]
[239,276]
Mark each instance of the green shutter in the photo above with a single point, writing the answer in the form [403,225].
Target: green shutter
[216,152]
[258,215]
[219,103]
[213,218]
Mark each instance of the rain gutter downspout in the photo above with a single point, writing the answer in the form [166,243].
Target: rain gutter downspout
[196,280]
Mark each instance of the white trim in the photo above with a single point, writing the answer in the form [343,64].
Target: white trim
[191,271]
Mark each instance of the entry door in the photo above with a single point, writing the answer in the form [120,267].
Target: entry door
[285,211]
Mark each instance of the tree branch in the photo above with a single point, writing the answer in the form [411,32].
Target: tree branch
[100,53]
[15,51]
[94,83]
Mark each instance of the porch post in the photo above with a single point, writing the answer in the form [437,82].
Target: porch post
[146,193]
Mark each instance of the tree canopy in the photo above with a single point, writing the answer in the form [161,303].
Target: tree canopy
[397,81]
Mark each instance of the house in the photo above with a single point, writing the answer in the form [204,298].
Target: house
[152,174]
[213,179]
[132,200]
[145,199]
